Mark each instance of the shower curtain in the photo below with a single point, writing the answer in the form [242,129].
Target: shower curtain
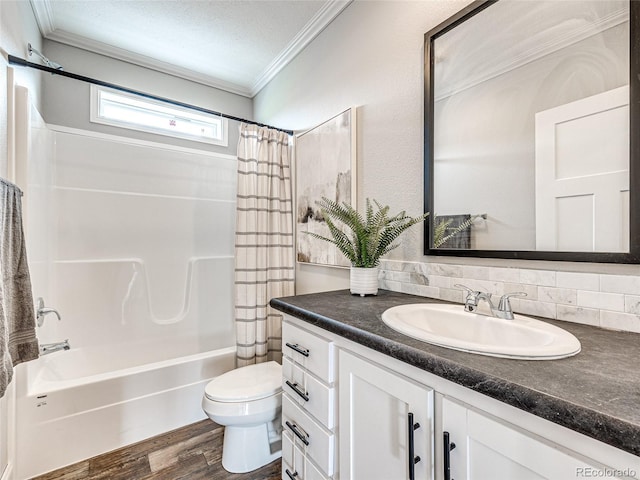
[264,257]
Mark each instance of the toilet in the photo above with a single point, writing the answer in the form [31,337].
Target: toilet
[247,401]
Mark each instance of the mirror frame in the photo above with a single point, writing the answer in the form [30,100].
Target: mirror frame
[633,256]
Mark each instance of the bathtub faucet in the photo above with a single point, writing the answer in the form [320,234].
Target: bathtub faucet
[46,348]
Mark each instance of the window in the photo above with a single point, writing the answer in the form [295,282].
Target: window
[125,110]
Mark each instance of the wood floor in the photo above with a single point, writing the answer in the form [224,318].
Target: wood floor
[190,453]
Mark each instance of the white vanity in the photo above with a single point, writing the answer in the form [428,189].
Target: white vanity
[351,412]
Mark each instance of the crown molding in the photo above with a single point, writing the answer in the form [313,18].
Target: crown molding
[329,11]
[100,48]
[44,16]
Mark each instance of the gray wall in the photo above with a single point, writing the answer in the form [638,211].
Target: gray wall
[66,101]
[371,57]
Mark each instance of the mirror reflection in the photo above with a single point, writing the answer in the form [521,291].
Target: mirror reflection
[531,128]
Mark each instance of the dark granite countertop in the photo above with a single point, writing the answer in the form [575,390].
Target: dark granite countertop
[596,392]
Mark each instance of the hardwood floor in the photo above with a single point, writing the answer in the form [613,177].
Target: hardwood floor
[193,452]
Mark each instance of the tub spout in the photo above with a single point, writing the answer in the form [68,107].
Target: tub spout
[47,348]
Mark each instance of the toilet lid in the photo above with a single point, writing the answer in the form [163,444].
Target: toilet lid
[252,382]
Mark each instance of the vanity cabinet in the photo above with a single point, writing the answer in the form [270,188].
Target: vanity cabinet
[386,423]
[356,416]
[486,447]
[308,405]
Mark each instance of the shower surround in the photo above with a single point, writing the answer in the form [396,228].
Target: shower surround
[132,242]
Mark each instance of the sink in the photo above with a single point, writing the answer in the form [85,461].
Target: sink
[450,326]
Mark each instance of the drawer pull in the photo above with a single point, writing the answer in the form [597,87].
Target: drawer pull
[301,351]
[293,475]
[294,387]
[413,459]
[448,446]
[294,428]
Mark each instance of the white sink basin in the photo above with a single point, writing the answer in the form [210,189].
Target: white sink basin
[451,327]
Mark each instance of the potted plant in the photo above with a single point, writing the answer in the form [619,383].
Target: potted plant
[365,239]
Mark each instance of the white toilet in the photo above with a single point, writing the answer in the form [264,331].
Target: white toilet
[247,401]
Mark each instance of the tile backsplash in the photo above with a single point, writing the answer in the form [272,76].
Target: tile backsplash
[604,300]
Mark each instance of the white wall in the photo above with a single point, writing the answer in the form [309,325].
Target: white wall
[371,56]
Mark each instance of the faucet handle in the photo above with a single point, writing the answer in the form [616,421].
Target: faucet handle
[42,311]
[465,288]
[505,304]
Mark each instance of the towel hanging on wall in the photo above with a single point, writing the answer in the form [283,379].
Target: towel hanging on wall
[18,342]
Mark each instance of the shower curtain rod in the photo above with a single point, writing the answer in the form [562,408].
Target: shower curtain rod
[24,63]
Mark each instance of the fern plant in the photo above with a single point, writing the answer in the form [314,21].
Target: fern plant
[442,233]
[370,236]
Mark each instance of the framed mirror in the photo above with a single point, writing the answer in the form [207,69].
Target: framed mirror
[529,110]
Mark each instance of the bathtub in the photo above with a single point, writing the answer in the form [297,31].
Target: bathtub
[72,405]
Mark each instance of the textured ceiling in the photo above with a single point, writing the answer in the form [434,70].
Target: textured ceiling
[237,45]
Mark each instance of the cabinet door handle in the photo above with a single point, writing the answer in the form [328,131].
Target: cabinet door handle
[294,387]
[294,428]
[447,446]
[413,459]
[293,475]
[300,350]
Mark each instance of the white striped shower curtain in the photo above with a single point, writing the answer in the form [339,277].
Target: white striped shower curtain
[264,257]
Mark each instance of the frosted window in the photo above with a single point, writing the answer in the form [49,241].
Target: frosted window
[125,110]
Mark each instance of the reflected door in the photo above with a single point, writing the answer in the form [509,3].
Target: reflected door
[582,176]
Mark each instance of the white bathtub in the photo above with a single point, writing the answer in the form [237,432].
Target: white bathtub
[75,404]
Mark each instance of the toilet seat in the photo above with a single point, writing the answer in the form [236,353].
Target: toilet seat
[246,384]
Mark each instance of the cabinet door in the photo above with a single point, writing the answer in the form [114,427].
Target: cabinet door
[374,410]
[487,448]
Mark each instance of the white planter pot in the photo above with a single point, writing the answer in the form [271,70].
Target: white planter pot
[364,281]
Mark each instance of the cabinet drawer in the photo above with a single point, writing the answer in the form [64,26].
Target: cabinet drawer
[321,444]
[314,353]
[295,466]
[308,392]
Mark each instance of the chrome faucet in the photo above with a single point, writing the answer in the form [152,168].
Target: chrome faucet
[474,297]
[47,348]
[42,311]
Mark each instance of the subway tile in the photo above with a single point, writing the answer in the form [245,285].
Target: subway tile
[578,281]
[544,278]
[395,276]
[451,295]
[495,288]
[632,304]
[530,290]
[529,307]
[478,273]
[620,284]
[620,321]
[604,301]
[418,278]
[565,296]
[392,285]
[505,274]
[440,281]
[588,316]
[445,269]
[421,290]
[394,265]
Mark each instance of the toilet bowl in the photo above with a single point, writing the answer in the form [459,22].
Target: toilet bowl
[247,401]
